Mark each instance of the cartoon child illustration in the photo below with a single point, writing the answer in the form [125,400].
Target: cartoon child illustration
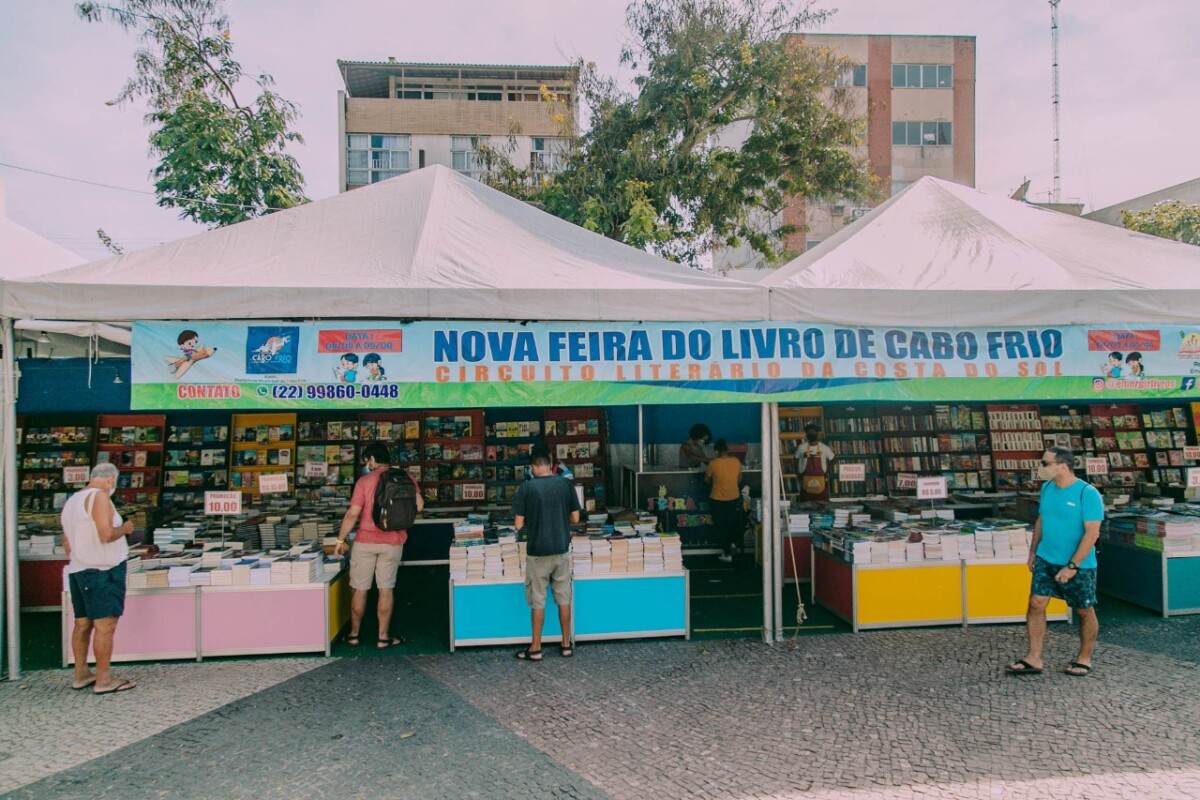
[193,351]
[1133,365]
[373,364]
[1112,367]
[347,369]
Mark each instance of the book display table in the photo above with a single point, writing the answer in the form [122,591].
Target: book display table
[41,582]
[1162,582]
[199,621]
[912,594]
[621,606]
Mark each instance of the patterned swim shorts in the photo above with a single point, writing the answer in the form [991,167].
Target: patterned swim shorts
[1079,592]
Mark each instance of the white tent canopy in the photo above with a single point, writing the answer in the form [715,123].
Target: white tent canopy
[430,244]
[24,253]
[943,254]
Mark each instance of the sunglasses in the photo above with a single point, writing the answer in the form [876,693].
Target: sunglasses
[1049,463]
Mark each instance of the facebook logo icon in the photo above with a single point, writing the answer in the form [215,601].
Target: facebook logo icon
[1187,384]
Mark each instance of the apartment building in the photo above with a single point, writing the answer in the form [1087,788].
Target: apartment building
[915,96]
[394,117]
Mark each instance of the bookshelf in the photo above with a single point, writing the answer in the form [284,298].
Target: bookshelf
[262,444]
[577,437]
[1117,435]
[399,430]
[49,442]
[1017,445]
[330,441]
[195,458]
[1166,431]
[853,433]
[134,443]
[452,457]
[509,436]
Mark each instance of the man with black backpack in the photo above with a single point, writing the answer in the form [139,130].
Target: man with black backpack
[384,505]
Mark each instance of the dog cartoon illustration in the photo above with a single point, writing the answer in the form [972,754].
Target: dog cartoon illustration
[193,351]
[273,345]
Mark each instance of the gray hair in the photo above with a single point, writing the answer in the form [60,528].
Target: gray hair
[105,470]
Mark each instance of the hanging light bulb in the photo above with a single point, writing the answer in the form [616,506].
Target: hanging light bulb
[43,339]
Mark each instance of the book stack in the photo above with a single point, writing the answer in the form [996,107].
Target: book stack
[266,532]
[157,578]
[43,544]
[493,563]
[619,555]
[281,570]
[180,575]
[860,520]
[799,523]
[458,562]
[581,555]
[841,516]
[307,568]
[985,544]
[931,546]
[949,547]
[470,532]
[897,550]
[601,555]
[635,555]
[201,576]
[512,556]
[653,560]
[967,548]
[260,574]
[475,561]
[672,552]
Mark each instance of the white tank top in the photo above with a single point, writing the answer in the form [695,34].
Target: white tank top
[87,551]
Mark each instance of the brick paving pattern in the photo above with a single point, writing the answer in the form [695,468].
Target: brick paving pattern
[898,714]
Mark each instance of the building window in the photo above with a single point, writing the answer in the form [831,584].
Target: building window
[922,76]
[547,154]
[371,158]
[853,75]
[464,155]
[922,134]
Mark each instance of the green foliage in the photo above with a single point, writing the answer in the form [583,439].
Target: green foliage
[651,169]
[1172,219]
[220,160]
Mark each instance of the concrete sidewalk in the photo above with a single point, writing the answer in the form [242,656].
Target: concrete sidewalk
[900,714]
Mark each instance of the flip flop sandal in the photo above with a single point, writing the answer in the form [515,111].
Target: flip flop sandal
[352,641]
[567,651]
[123,686]
[529,655]
[1074,669]
[1024,668]
[78,686]
[391,641]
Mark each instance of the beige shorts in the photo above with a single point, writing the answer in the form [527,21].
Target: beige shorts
[543,570]
[369,560]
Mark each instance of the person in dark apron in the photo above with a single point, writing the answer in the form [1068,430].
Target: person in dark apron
[813,458]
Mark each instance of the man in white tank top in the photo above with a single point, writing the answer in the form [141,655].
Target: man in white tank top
[94,538]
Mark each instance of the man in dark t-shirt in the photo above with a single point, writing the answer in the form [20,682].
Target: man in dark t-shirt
[544,508]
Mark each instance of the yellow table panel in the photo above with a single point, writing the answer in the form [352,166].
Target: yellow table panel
[999,592]
[339,603]
[909,595]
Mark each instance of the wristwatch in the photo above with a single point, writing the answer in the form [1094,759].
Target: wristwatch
[1071,565]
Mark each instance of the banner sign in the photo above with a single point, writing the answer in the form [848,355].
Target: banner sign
[381,364]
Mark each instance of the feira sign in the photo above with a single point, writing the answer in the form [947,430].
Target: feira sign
[354,364]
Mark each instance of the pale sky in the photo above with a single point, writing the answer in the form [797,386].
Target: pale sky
[1130,75]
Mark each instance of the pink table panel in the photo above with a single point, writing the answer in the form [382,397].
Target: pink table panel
[160,625]
[263,620]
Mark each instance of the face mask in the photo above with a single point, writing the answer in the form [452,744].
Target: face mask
[1047,473]
[366,470]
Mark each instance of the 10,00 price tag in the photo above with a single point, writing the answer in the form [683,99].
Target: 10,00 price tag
[1097,466]
[222,503]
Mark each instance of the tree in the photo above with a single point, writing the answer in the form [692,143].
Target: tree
[1172,219]
[221,160]
[651,170]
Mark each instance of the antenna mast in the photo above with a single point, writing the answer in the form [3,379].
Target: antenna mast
[1056,188]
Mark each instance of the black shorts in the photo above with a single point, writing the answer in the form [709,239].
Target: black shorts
[1079,592]
[98,593]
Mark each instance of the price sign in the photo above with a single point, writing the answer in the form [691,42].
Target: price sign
[1191,453]
[473,491]
[906,480]
[852,472]
[1193,478]
[315,469]
[272,484]
[932,488]
[75,474]
[1097,466]
[222,503]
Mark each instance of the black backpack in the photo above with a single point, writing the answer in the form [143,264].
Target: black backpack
[395,501]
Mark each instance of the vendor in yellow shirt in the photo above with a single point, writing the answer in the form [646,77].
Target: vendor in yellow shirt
[725,499]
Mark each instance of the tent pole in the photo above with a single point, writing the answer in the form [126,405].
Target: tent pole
[8,460]
[641,444]
[777,516]
[767,537]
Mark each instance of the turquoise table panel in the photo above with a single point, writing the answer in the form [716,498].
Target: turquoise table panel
[613,608]
[496,613]
[1183,585]
[1132,574]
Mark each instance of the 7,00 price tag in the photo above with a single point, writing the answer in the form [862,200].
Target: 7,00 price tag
[222,503]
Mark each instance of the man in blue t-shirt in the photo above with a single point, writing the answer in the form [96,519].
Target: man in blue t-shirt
[1062,559]
[544,509]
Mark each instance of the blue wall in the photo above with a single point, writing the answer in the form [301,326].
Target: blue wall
[61,384]
[737,423]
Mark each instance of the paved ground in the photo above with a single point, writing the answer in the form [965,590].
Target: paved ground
[903,714]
